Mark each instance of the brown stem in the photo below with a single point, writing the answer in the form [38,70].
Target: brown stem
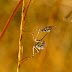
[27,9]
[10,19]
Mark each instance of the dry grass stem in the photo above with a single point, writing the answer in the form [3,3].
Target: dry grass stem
[20,39]
[27,9]
[10,19]
[21,34]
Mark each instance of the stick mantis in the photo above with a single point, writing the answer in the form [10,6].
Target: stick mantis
[37,46]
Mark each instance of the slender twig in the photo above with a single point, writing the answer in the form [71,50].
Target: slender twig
[27,9]
[21,33]
[20,39]
[10,19]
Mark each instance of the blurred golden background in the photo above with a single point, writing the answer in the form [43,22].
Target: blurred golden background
[57,55]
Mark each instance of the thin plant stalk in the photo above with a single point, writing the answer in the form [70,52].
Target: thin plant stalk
[27,9]
[21,33]
[20,39]
[10,19]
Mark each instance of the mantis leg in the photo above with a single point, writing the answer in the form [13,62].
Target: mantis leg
[34,48]
[35,39]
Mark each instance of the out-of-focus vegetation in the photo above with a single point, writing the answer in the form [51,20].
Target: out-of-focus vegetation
[57,55]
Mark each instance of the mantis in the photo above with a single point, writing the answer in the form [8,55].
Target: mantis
[38,47]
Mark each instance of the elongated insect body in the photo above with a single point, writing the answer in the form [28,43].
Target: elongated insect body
[47,29]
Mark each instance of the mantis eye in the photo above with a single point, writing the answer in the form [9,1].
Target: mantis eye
[45,30]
